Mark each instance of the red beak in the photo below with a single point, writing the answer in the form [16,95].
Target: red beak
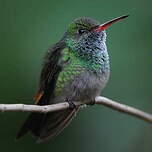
[109,23]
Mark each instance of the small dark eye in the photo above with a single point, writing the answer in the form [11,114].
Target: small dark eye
[81,31]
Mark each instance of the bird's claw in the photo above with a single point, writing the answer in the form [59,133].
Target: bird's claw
[91,103]
[71,104]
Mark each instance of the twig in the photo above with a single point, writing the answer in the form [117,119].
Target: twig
[61,106]
[124,108]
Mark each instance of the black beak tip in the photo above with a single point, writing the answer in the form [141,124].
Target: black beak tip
[125,16]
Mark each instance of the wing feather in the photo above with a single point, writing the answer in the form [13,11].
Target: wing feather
[50,72]
[49,75]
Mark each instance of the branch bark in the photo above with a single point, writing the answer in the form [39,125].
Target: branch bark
[62,106]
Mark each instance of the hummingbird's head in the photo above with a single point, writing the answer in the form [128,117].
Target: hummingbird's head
[82,29]
[86,31]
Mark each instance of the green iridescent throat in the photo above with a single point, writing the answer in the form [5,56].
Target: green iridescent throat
[92,57]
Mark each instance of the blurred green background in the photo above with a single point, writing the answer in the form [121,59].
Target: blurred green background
[28,28]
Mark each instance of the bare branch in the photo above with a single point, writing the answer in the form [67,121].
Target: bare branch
[61,106]
[124,108]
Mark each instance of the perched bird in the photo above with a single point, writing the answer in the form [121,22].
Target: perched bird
[75,69]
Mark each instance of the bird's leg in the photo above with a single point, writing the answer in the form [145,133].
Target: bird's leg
[71,104]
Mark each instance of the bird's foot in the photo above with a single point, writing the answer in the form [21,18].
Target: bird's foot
[91,103]
[71,104]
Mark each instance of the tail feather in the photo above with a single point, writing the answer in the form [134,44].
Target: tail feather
[44,126]
[31,123]
[53,126]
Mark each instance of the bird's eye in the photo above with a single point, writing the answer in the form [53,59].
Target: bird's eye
[81,31]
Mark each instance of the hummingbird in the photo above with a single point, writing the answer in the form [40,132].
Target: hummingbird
[75,69]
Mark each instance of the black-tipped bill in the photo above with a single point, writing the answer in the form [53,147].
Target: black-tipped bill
[109,23]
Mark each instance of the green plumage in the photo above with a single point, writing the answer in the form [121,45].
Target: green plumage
[73,66]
